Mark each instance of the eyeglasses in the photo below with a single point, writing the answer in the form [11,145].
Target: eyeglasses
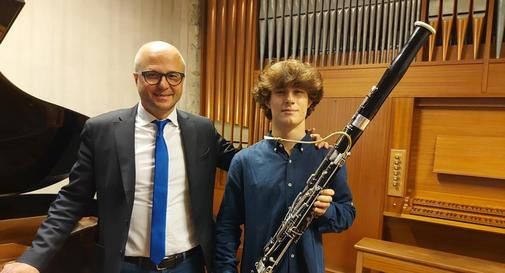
[154,78]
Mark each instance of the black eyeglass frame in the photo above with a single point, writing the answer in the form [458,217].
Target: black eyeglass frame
[161,75]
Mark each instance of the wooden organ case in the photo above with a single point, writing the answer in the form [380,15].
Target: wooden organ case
[429,170]
[38,146]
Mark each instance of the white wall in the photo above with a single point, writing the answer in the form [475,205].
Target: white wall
[79,53]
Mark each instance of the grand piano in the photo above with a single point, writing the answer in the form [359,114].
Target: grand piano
[38,145]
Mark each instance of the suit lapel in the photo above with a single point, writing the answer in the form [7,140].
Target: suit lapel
[189,139]
[124,136]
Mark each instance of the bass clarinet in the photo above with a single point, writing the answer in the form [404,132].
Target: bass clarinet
[299,215]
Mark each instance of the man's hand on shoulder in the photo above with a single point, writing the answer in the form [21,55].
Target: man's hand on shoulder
[317,137]
[19,268]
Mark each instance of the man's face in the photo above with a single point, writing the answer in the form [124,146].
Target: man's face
[159,99]
[289,106]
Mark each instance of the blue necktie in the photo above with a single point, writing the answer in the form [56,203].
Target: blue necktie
[160,193]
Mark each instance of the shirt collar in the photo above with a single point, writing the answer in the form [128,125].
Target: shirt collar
[144,117]
[277,146]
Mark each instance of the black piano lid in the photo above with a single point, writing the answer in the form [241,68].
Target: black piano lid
[38,140]
[8,13]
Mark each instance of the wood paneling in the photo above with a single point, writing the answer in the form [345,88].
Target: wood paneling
[432,121]
[78,252]
[9,252]
[351,82]
[401,119]
[485,157]
[496,79]
[439,209]
[421,80]
[451,199]
[393,257]
[20,230]
[401,128]
[458,240]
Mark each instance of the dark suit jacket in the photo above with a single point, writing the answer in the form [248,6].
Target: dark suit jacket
[106,166]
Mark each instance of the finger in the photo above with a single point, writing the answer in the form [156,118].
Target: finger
[327,192]
[319,212]
[324,199]
[321,205]
[316,137]
[321,145]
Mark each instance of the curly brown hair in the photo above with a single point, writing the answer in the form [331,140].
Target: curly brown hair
[289,73]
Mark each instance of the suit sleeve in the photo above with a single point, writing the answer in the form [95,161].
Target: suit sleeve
[225,151]
[341,213]
[68,207]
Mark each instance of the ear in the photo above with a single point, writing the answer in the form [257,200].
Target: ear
[136,77]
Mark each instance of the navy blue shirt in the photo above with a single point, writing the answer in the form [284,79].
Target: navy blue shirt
[263,180]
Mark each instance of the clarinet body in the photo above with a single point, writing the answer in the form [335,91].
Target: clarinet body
[299,215]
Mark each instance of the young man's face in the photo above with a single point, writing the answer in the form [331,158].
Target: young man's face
[289,106]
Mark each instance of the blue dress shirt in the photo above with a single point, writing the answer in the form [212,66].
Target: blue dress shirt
[263,180]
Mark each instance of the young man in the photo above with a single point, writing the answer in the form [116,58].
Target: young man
[264,179]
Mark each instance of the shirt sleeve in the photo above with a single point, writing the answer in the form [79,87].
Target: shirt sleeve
[229,219]
[341,213]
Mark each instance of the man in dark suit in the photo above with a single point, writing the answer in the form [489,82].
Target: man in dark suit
[116,161]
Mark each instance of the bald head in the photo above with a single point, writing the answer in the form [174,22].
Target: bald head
[150,52]
[162,58]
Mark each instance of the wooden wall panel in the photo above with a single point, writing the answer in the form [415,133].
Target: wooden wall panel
[351,82]
[484,158]
[468,242]
[460,201]
[421,80]
[441,80]
[366,176]
[431,121]
[402,111]
[496,79]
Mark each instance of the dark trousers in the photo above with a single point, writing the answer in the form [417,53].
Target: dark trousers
[192,264]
